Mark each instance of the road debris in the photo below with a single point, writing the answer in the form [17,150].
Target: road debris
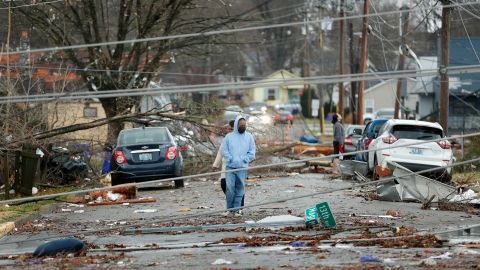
[393,213]
[116,194]
[468,196]
[321,212]
[221,262]
[145,211]
[52,248]
[369,259]
[123,202]
[184,210]
[349,168]
[413,188]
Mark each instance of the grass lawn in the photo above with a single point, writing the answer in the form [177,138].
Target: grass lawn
[12,212]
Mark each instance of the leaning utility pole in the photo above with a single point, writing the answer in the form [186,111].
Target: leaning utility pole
[363,62]
[340,71]
[401,62]
[445,40]
[353,85]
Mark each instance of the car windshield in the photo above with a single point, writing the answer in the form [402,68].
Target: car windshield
[416,132]
[143,136]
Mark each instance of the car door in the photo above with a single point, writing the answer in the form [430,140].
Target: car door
[362,142]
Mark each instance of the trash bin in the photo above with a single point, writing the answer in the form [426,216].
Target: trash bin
[28,168]
[106,160]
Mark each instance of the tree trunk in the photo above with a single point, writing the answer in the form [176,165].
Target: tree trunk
[114,128]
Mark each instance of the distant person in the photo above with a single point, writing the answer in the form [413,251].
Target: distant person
[338,134]
[220,162]
[238,152]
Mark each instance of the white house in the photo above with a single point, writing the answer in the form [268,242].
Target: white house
[383,95]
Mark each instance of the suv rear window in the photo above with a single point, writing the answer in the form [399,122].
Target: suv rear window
[143,136]
[416,132]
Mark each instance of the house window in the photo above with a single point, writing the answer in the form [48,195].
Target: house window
[89,112]
[369,105]
[271,94]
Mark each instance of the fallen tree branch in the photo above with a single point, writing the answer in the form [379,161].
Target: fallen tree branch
[132,117]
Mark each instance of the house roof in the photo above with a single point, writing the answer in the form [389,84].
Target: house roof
[373,88]
[283,74]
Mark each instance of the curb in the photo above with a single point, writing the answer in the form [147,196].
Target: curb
[7,227]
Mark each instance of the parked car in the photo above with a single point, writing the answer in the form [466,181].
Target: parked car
[388,113]
[231,112]
[353,133]
[292,106]
[283,117]
[256,106]
[413,157]
[259,118]
[146,153]
[369,133]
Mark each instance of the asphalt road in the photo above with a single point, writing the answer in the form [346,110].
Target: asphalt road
[187,250]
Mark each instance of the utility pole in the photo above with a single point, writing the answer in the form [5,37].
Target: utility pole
[306,74]
[404,18]
[363,62]
[353,85]
[340,71]
[445,40]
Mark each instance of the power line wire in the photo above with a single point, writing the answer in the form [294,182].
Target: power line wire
[237,85]
[31,5]
[224,31]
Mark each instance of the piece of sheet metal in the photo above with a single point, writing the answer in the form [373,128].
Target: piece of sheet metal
[413,187]
[347,168]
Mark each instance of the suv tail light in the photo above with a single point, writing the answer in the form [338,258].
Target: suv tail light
[445,144]
[348,140]
[119,157]
[171,153]
[389,139]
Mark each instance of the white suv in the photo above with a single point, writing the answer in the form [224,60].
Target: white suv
[414,157]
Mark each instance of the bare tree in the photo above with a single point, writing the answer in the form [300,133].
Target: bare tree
[96,21]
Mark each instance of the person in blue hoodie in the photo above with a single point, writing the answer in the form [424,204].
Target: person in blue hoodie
[238,152]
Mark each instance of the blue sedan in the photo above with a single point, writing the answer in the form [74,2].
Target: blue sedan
[146,153]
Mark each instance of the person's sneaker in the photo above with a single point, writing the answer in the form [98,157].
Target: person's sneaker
[238,213]
[226,213]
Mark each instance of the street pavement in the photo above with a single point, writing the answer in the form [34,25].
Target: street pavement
[265,248]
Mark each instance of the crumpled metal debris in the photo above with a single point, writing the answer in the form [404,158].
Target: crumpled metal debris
[413,187]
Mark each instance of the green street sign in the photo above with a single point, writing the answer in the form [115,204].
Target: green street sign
[311,217]
[323,211]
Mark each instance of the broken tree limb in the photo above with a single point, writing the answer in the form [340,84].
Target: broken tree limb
[132,117]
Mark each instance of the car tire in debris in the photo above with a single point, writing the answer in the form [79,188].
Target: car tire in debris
[116,180]
[179,184]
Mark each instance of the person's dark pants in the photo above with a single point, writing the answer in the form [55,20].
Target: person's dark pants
[336,148]
[223,183]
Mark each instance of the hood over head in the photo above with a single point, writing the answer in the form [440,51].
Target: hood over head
[235,125]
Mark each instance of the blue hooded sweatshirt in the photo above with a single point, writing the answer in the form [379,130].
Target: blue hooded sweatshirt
[238,149]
